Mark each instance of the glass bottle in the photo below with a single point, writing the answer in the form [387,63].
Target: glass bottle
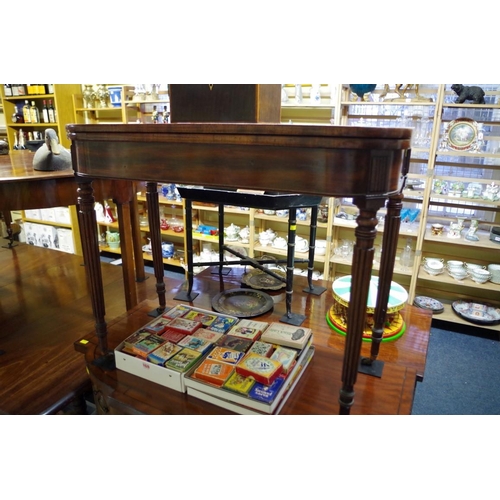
[52,112]
[45,112]
[26,112]
[8,89]
[406,255]
[17,116]
[34,113]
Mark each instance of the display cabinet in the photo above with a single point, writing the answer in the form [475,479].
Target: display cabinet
[62,101]
[448,184]
[462,196]
[308,103]
[55,228]
[125,104]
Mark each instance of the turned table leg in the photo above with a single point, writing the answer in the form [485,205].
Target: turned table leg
[356,315]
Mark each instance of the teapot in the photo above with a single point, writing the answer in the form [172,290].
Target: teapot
[301,244]
[245,234]
[266,237]
[167,249]
[279,242]
[232,232]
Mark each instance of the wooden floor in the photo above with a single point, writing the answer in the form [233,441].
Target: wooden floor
[44,309]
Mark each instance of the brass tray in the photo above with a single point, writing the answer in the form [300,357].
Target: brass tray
[260,280]
[242,302]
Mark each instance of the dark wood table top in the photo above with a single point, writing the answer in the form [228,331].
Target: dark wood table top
[316,392]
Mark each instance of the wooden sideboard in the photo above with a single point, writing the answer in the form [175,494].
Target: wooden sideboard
[366,164]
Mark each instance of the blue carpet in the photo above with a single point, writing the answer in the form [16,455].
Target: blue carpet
[462,376]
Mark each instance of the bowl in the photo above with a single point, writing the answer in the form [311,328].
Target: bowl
[480,275]
[459,275]
[472,267]
[433,271]
[434,264]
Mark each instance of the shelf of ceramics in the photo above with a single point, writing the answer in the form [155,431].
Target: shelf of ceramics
[445,279]
[484,241]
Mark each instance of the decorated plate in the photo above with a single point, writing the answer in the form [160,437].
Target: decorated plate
[462,134]
[477,312]
[260,280]
[242,303]
[429,303]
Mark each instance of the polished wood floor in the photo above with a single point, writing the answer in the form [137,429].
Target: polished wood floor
[44,309]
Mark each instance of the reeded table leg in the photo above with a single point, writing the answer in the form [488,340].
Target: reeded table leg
[90,247]
[155,232]
[356,315]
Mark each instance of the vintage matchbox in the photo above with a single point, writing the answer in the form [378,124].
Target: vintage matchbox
[176,312]
[183,360]
[183,325]
[158,326]
[238,383]
[195,343]
[286,335]
[147,345]
[262,369]
[161,355]
[205,318]
[235,343]
[223,323]
[266,393]
[204,333]
[285,356]
[248,329]
[173,335]
[213,372]
[225,355]
[262,348]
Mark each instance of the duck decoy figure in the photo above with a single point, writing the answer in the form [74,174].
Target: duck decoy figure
[51,155]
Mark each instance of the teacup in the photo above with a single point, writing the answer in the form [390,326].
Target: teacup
[480,275]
